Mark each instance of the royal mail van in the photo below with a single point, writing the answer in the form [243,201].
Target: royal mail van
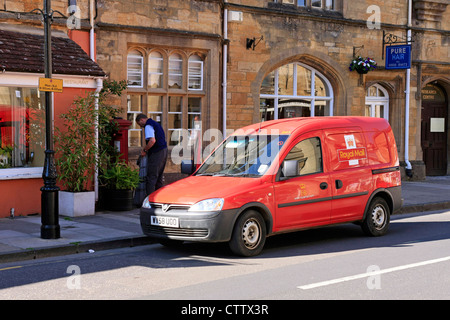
[281,176]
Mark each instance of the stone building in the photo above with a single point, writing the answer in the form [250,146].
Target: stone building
[220,65]
[284,58]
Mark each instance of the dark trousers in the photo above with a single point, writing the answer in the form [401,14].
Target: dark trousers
[155,169]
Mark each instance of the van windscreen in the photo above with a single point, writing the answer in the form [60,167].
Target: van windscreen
[243,156]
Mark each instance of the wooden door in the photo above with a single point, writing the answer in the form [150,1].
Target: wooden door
[434,130]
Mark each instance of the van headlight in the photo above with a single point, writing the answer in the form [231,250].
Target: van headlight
[146,203]
[214,204]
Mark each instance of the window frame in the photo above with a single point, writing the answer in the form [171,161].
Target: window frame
[320,149]
[24,172]
[309,4]
[183,62]
[139,73]
[373,101]
[311,98]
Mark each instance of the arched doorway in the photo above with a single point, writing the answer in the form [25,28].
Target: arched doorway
[434,129]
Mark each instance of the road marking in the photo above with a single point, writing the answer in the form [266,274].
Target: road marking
[9,268]
[370,274]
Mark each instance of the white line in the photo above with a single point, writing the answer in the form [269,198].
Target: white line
[370,274]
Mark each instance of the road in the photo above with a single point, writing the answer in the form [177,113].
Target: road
[411,262]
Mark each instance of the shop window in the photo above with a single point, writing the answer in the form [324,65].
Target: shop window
[135,69]
[295,90]
[377,102]
[22,127]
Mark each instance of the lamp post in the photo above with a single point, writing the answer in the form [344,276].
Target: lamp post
[49,192]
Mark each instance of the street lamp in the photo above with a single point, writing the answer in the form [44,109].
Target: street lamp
[49,192]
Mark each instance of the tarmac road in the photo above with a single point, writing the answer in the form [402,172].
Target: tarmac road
[411,262]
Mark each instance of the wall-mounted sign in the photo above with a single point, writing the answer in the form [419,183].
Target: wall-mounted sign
[437,124]
[50,84]
[398,57]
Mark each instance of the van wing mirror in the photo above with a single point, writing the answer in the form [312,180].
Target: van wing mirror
[290,168]
[187,167]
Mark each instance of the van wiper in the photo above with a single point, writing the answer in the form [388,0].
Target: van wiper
[213,174]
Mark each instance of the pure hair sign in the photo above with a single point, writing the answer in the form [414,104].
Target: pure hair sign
[398,57]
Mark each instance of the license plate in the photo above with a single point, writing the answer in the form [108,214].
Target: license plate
[164,221]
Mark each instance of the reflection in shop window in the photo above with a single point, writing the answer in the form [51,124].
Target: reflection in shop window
[22,127]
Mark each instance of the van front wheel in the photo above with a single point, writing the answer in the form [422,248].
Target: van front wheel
[249,234]
[376,222]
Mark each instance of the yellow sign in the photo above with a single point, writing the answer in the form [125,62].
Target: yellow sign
[52,85]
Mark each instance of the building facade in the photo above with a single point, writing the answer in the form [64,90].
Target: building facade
[233,63]
[219,65]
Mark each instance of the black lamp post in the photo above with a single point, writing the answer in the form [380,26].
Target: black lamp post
[49,192]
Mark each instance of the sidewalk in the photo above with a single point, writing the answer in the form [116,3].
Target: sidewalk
[20,236]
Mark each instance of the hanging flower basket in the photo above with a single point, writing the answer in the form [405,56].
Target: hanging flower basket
[362,65]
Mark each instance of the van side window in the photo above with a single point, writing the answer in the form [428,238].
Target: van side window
[308,153]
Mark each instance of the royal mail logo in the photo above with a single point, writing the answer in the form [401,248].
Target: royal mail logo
[352,154]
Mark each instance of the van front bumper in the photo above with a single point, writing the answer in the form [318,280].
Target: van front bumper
[192,226]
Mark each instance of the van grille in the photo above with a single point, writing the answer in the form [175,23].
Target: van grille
[179,232]
[167,207]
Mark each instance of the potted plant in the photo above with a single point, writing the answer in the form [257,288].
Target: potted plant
[76,152]
[120,180]
[362,65]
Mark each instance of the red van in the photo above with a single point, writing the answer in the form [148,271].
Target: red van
[280,176]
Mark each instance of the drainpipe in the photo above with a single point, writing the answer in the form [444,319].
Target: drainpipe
[224,71]
[408,169]
[99,82]
[91,32]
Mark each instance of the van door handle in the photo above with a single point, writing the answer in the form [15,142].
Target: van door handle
[323,185]
[339,184]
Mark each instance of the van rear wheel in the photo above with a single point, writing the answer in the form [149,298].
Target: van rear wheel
[249,234]
[376,222]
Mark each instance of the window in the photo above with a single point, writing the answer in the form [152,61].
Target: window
[22,127]
[155,70]
[175,117]
[172,93]
[308,153]
[175,71]
[377,102]
[135,69]
[322,4]
[295,90]
[134,107]
[195,73]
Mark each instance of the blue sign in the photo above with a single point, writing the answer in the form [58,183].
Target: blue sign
[398,57]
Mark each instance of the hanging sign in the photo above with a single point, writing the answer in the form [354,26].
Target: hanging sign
[398,57]
[50,84]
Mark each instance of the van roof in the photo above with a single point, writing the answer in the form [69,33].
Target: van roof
[290,125]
